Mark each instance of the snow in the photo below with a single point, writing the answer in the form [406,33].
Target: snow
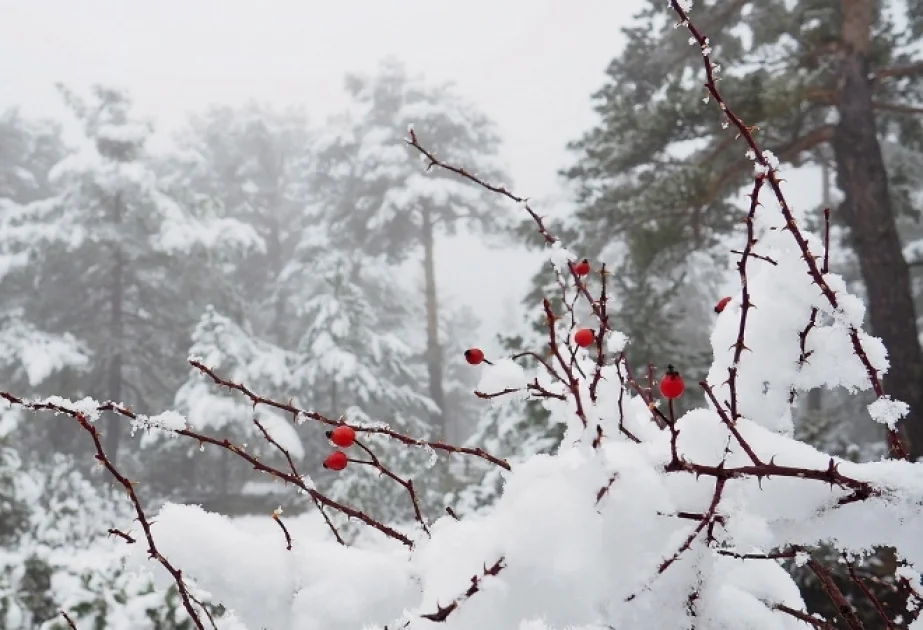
[560,257]
[565,553]
[37,353]
[133,132]
[169,420]
[65,536]
[505,374]
[888,412]
[182,233]
[87,406]
[616,341]
[913,251]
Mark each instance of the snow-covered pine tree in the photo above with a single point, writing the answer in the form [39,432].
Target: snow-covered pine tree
[657,177]
[253,164]
[354,360]
[311,319]
[378,198]
[28,150]
[104,259]
[349,360]
[246,165]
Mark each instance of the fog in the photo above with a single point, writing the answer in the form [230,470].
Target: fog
[531,65]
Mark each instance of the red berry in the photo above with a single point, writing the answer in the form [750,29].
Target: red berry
[344,437]
[582,268]
[337,460]
[672,384]
[474,356]
[584,337]
[721,304]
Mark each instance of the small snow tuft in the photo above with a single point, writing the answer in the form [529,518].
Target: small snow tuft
[616,341]
[560,256]
[502,375]
[888,411]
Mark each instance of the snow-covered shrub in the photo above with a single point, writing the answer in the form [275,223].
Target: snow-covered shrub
[640,519]
[63,558]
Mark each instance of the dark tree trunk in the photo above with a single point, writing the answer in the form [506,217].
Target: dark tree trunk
[115,423]
[433,349]
[867,212]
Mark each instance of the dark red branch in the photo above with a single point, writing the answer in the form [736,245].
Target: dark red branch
[277,517]
[256,399]
[442,612]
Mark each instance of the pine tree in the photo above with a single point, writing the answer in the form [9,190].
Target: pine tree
[252,164]
[378,198]
[459,328]
[348,362]
[28,150]
[106,263]
[312,318]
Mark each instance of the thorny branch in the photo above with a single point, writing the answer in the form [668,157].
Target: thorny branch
[843,606]
[856,490]
[70,622]
[896,444]
[879,607]
[292,478]
[407,484]
[256,399]
[443,612]
[745,303]
[84,422]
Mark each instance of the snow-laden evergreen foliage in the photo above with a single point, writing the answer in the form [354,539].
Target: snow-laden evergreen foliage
[59,556]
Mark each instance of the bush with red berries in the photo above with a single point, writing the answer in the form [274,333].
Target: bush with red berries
[642,519]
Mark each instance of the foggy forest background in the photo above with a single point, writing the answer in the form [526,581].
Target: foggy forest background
[298,256]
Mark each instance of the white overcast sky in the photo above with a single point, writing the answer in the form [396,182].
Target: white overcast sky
[529,64]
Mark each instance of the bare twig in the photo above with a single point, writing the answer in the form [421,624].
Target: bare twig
[442,612]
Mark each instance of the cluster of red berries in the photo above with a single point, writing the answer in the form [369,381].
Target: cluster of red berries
[344,437]
[584,337]
[671,385]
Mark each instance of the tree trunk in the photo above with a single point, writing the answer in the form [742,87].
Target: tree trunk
[433,349]
[114,422]
[867,212]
